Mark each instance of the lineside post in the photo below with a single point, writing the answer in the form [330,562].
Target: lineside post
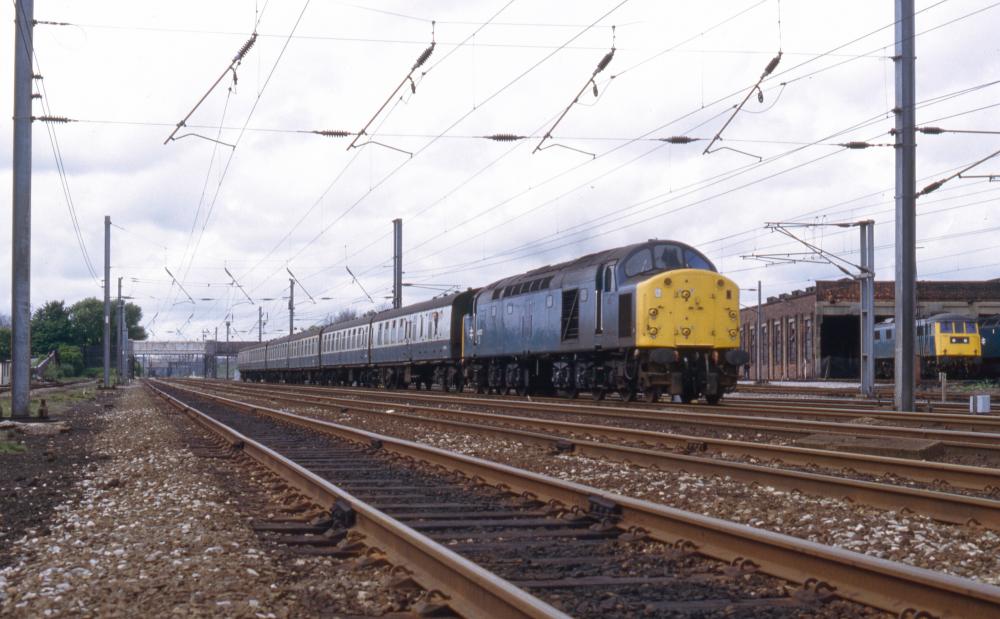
[20,315]
[867,282]
[107,301]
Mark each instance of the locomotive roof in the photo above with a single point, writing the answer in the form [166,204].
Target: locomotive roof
[594,259]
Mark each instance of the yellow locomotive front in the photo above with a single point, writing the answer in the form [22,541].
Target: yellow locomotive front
[687,334]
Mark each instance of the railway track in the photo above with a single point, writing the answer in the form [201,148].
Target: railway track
[584,439]
[749,552]
[959,443]
[884,394]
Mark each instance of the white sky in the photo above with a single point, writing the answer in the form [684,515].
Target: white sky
[476,210]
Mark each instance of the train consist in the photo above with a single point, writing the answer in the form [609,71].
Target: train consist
[945,343]
[650,318]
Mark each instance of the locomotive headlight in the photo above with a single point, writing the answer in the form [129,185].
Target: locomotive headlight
[685,294]
[720,283]
[667,281]
[653,312]
[685,332]
[732,315]
[653,331]
[732,334]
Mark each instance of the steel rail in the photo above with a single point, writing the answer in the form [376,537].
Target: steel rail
[983,479]
[955,439]
[889,585]
[943,506]
[473,591]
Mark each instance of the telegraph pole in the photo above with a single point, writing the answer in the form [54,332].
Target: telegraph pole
[20,380]
[906,180]
[260,323]
[107,301]
[227,350]
[291,306]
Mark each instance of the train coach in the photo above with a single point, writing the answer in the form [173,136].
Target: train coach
[947,343]
[650,318]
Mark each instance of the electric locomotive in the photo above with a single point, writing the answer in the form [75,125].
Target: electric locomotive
[947,343]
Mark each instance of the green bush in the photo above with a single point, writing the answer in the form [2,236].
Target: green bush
[70,360]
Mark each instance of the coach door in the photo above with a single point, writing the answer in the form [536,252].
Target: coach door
[604,286]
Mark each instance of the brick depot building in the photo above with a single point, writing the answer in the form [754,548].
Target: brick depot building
[816,333]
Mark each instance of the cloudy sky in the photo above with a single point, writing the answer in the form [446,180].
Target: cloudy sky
[247,187]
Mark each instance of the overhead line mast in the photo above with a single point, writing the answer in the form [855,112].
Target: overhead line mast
[906,215]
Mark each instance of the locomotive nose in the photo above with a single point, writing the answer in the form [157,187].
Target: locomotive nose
[688,308]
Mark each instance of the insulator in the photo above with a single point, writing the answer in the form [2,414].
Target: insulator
[595,89]
[603,64]
[930,130]
[423,57]
[929,188]
[333,133]
[678,139]
[505,137]
[760,96]
[246,48]
[856,145]
[52,119]
[771,66]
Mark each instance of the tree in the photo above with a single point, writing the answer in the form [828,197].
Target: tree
[70,360]
[5,334]
[133,316]
[50,327]
[87,317]
[344,315]
[5,321]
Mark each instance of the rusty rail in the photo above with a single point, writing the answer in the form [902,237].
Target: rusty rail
[473,591]
[947,507]
[876,582]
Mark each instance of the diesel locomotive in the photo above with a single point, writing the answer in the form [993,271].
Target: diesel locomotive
[947,343]
[651,318]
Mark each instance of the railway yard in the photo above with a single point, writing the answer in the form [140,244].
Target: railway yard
[279,500]
[576,387]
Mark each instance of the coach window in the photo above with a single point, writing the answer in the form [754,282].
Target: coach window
[435,316]
[510,308]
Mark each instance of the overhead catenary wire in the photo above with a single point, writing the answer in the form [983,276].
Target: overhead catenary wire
[452,125]
[49,119]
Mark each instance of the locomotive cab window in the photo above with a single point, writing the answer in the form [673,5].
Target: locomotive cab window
[945,326]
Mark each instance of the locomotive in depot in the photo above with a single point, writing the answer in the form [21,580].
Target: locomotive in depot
[949,343]
[646,319]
